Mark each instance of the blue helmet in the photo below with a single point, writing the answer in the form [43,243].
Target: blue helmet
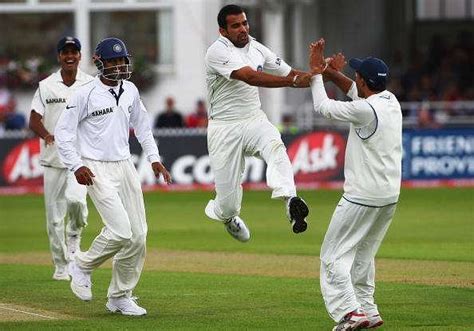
[112,48]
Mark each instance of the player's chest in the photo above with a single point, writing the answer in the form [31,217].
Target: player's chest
[105,107]
[253,58]
[55,98]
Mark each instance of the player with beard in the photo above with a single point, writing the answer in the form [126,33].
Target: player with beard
[236,65]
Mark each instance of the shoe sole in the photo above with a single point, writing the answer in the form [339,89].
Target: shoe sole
[116,310]
[298,212]
[376,325]
[65,278]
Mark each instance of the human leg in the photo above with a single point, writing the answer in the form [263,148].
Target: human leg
[55,204]
[346,230]
[228,164]
[263,139]
[363,270]
[77,213]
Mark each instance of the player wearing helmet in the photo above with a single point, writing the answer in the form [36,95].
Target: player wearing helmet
[97,120]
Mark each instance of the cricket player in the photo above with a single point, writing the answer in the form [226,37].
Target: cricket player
[98,118]
[371,188]
[236,65]
[63,196]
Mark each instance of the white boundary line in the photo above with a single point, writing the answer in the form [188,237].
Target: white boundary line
[25,312]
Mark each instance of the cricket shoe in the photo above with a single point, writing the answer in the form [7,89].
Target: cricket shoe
[297,210]
[374,321]
[237,229]
[60,273]
[355,320]
[72,243]
[81,284]
[125,306]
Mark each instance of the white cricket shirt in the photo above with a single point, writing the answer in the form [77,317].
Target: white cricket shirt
[373,160]
[101,121]
[49,101]
[232,99]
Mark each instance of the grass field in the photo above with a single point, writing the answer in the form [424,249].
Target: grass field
[198,278]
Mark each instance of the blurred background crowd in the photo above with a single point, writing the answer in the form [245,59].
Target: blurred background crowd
[431,64]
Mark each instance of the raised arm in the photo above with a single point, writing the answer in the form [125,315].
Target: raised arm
[262,79]
[333,73]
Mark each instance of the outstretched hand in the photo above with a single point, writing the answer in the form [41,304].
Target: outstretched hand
[317,64]
[337,61]
[159,168]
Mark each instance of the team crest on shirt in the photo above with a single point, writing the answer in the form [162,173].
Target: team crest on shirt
[260,68]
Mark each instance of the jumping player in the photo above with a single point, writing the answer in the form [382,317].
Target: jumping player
[236,66]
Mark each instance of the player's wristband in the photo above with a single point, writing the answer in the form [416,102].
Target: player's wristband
[294,80]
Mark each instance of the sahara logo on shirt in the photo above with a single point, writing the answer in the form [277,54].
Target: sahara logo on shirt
[104,111]
[55,100]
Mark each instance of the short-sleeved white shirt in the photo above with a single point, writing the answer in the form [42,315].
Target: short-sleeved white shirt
[96,125]
[232,99]
[49,101]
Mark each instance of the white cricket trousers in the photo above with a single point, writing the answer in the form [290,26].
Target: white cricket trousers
[347,257]
[118,197]
[228,143]
[63,196]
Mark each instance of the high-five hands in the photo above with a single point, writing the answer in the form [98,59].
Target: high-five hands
[317,63]
[337,61]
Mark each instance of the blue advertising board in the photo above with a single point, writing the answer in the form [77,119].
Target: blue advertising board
[438,154]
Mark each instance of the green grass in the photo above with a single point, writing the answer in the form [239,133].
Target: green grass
[430,224]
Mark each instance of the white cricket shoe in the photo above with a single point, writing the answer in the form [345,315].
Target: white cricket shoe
[125,306]
[73,246]
[81,284]
[355,320]
[60,273]
[374,321]
[237,229]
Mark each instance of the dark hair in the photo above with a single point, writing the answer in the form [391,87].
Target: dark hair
[225,11]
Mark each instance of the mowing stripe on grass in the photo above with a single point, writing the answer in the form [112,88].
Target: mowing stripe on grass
[438,273]
[20,312]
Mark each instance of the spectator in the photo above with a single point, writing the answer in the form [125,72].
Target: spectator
[198,119]
[170,117]
[9,118]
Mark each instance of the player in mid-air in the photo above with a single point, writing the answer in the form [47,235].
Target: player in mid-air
[236,65]
[63,196]
[98,118]
[372,174]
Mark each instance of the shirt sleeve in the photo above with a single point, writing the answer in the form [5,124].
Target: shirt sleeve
[140,122]
[353,93]
[37,103]
[223,61]
[273,63]
[66,132]
[357,112]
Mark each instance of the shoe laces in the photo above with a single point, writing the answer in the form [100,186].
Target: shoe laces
[82,278]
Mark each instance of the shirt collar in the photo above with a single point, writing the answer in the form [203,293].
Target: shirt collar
[230,44]
[80,76]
